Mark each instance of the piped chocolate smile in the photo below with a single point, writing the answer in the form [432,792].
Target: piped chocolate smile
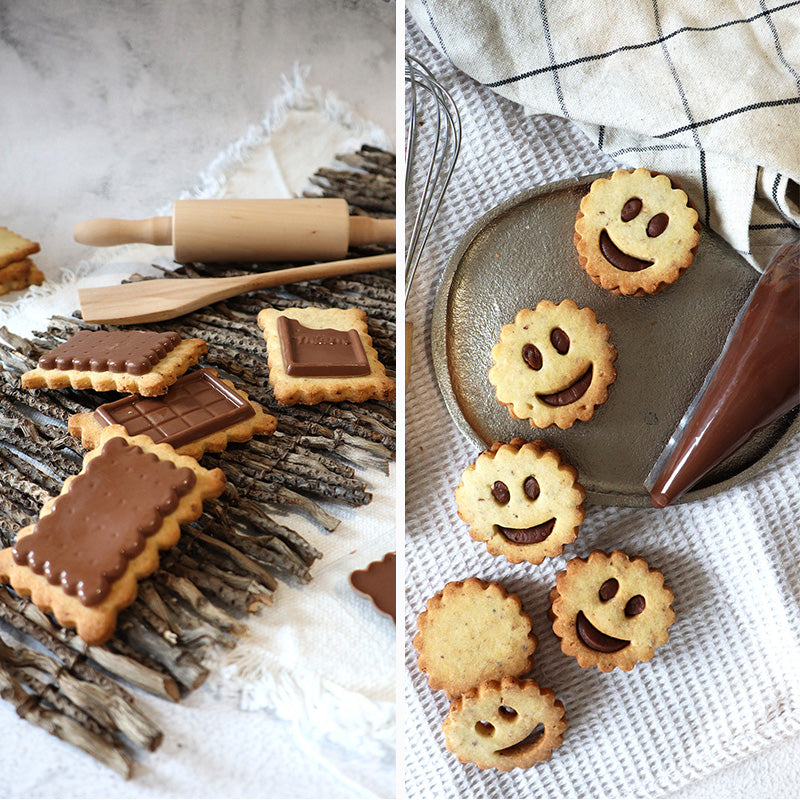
[533,535]
[572,393]
[618,258]
[529,742]
[595,639]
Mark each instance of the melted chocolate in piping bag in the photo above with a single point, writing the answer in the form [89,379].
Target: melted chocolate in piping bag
[755,381]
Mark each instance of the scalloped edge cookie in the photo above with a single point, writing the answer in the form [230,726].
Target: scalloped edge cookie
[577,590]
[514,379]
[469,736]
[290,390]
[473,631]
[153,383]
[670,260]
[86,428]
[20,275]
[96,624]
[561,493]
[14,247]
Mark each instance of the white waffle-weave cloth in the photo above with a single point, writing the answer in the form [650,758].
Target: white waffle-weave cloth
[728,682]
[708,93]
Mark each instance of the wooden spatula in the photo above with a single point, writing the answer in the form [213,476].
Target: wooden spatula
[153,301]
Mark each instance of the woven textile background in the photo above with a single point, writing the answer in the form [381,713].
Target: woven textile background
[707,92]
[728,682]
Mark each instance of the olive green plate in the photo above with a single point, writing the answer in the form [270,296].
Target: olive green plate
[521,252]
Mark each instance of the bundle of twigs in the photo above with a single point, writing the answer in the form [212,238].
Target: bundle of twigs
[227,563]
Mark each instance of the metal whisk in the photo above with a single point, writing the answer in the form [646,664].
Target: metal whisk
[426,97]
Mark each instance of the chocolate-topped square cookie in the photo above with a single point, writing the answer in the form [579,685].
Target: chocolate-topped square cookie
[200,413]
[146,362]
[319,354]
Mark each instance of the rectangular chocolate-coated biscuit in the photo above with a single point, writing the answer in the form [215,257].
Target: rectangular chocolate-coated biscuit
[141,362]
[196,405]
[135,352]
[104,531]
[199,413]
[327,329]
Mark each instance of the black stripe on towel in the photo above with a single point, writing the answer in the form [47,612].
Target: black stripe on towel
[640,46]
[551,56]
[785,101]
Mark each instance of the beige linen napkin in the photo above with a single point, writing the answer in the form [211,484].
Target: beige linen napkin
[707,92]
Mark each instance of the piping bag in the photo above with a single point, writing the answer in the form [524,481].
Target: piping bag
[301,229]
[755,380]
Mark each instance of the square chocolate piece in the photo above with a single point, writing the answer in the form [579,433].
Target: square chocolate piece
[320,353]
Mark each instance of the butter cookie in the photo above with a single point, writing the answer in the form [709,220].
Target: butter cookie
[553,365]
[610,610]
[522,499]
[636,232]
[505,724]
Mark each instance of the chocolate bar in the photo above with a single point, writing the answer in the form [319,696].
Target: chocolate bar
[197,405]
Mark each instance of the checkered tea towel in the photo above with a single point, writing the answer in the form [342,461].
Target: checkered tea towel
[707,92]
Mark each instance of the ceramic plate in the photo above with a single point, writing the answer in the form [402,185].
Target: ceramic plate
[522,252]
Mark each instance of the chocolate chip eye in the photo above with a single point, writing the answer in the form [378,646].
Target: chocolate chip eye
[634,606]
[506,712]
[484,728]
[631,209]
[531,356]
[559,340]
[657,225]
[531,487]
[609,589]
[500,492]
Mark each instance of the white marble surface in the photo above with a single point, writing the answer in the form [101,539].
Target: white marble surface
[112,109]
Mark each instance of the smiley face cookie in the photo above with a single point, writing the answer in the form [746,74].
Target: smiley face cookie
[610,610]
[473,631]
[522,499]
[505,724]
[553,365]
[636,232]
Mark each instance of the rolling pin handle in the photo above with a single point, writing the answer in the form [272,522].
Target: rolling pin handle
[105,232]
[369,230]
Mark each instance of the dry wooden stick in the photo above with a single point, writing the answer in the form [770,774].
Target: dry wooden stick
[44,632]
[110,712]
[60,725]
[68,647]
[235,557]
[180,664]
[271,553]
[185,589]
[52,698]
[194,632]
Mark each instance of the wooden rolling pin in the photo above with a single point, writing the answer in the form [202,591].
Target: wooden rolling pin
[313,229]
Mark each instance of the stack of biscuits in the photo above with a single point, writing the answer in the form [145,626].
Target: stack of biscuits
[17,271]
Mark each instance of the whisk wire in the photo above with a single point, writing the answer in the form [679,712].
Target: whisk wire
[423,88]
